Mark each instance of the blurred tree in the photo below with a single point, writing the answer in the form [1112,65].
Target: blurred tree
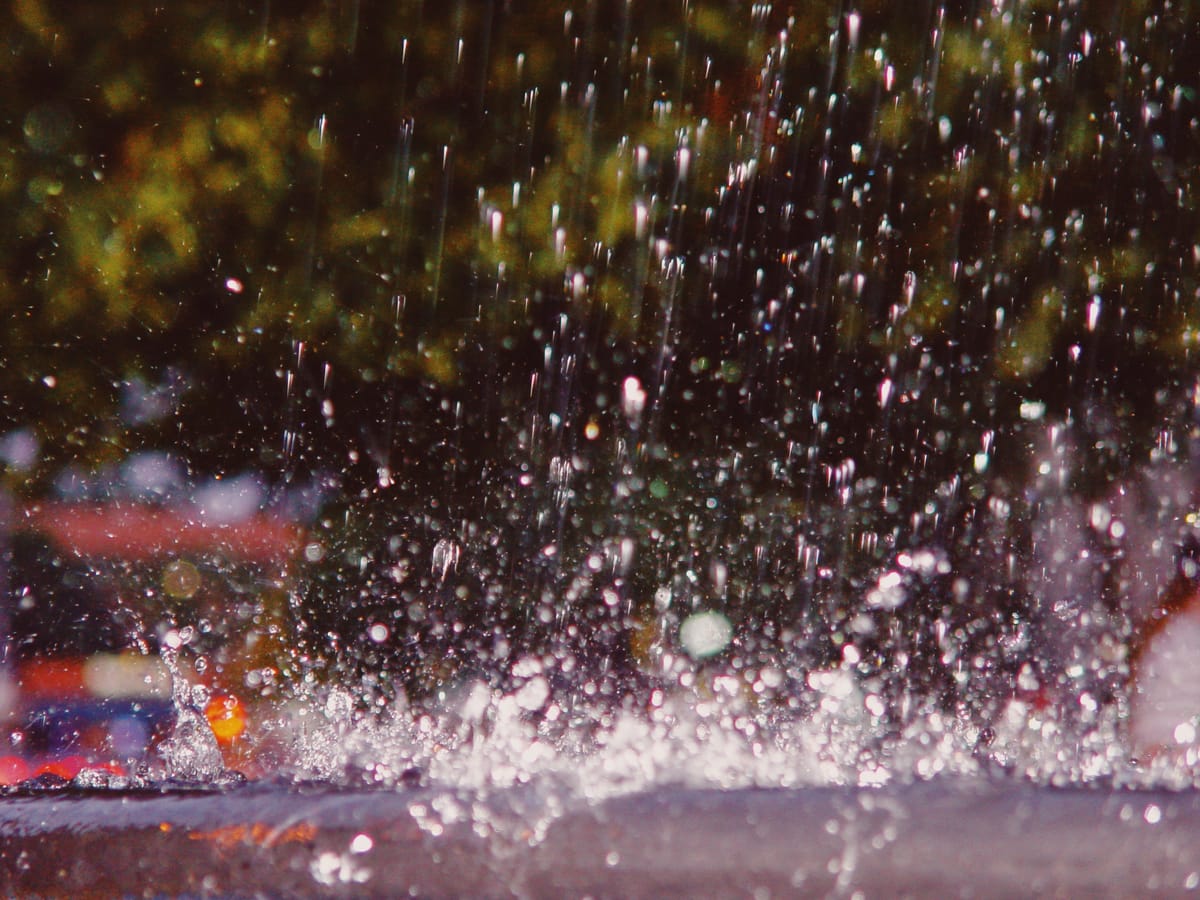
[389,186]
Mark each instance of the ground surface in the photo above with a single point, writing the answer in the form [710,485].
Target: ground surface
[947,838]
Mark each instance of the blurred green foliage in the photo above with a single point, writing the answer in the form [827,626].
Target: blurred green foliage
[201,188]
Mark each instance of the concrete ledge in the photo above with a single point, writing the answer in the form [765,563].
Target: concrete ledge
[947,838]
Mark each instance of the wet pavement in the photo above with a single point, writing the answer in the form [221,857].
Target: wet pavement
[945,838]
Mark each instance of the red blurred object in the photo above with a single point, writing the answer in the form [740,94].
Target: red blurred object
[14,770]
[70,766]
[139,533]
[65,767]
[52,677]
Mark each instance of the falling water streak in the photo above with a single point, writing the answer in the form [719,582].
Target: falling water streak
[440,243]
[317,140]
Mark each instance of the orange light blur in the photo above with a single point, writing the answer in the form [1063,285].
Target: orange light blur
[227,717]
[230,836]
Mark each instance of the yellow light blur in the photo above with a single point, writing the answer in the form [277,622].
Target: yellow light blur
[227,717]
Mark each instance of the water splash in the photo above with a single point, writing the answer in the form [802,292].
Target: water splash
[191,753]
[718,735]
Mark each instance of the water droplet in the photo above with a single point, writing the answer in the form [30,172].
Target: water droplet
[705,634]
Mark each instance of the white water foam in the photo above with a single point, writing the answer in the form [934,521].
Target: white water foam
[483,742]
